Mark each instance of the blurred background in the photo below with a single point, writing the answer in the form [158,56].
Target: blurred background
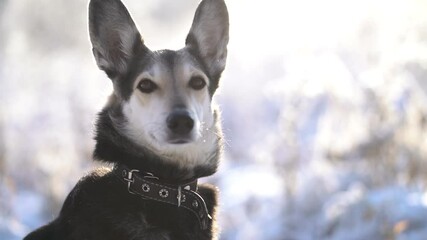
[323,105]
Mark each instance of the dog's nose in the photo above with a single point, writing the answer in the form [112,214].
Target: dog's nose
[180,122]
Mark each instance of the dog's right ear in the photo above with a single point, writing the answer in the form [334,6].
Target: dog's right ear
[114,36]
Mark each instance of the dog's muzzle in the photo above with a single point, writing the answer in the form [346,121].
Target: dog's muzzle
[180,123]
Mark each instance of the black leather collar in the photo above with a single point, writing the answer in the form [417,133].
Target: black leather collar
[150,187]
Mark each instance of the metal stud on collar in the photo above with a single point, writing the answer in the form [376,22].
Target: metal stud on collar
[145,187]
[163,193]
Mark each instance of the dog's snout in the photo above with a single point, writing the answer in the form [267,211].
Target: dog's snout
[180,122]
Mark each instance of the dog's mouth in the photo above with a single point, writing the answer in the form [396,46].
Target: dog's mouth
[180,140]
[175,140]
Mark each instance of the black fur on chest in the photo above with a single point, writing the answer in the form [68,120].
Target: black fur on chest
[100,207]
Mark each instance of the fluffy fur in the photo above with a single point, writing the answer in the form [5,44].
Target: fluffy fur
[170,130]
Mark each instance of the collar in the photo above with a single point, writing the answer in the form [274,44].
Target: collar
[149,187]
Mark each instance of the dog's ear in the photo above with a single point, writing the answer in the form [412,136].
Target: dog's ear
[208,35]
[114,36]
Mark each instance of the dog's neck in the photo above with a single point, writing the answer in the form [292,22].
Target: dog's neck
[114,147]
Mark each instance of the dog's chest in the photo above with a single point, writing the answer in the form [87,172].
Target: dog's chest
[104,207]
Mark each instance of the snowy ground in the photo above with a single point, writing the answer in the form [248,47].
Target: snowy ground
[323,106]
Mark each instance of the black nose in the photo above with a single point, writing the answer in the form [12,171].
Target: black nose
[180,122]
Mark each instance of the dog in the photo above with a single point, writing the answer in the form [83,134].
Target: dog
[159,132]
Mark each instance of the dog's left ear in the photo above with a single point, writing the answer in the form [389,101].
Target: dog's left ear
[208,35]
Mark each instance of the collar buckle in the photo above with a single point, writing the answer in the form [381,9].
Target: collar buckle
[129,178]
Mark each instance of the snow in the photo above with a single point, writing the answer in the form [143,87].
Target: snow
[384,213]
[24,213]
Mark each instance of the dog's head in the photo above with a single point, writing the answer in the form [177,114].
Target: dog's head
[164,96]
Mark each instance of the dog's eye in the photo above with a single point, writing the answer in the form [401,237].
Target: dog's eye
[147,86]
[197,83]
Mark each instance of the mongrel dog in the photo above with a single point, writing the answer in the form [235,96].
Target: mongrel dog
[159,130]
